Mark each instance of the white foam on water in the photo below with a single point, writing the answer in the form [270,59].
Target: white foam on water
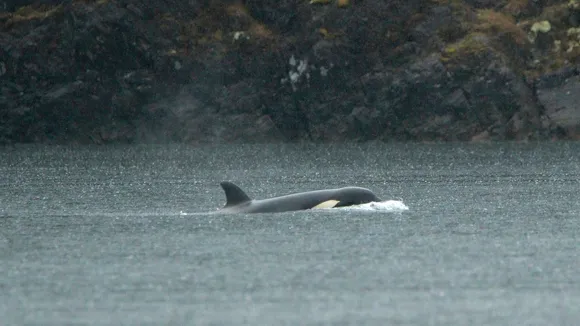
[383,206]
[182,213]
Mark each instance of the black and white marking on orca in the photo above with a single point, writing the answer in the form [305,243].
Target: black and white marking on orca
[238,202]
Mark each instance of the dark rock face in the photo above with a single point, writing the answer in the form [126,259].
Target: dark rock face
[282,15]
[559,93]
[77,74]
[261,71]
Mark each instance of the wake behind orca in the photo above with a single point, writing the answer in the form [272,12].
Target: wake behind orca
[238,202]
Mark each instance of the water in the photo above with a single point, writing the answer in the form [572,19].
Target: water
[120,235]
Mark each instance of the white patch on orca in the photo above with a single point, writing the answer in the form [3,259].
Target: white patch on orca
[327,204]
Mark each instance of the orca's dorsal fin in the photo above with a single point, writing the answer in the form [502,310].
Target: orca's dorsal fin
[234,195]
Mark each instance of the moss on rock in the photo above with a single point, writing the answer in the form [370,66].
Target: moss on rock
[486,30]
[554,38]
[468,48]
[29,13]
[497,25]
[218,27]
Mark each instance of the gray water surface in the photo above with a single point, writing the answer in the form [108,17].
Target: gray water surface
[94,235]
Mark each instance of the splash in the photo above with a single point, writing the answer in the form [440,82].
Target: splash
[383,206]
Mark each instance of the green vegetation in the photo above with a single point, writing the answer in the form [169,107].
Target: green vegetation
[32,12]
[473,44]
[486,30]
[516,8]
[38,12]
[339,3]
[212,31]
[560,45]
[496,25]
[513,33]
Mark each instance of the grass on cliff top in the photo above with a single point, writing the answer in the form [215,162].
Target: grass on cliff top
[560,46]
[27,14]
[216,28]
[496,24]
[489,28]
[516,8]
[493,23]
[473,44]
[39,11]
[32,12]
[212,20]
[500,31]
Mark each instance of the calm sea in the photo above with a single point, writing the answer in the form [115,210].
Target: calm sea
[121,236]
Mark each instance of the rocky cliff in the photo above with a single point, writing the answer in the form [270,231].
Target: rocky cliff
[86,71]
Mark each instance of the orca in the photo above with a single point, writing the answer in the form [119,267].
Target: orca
[238,202]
